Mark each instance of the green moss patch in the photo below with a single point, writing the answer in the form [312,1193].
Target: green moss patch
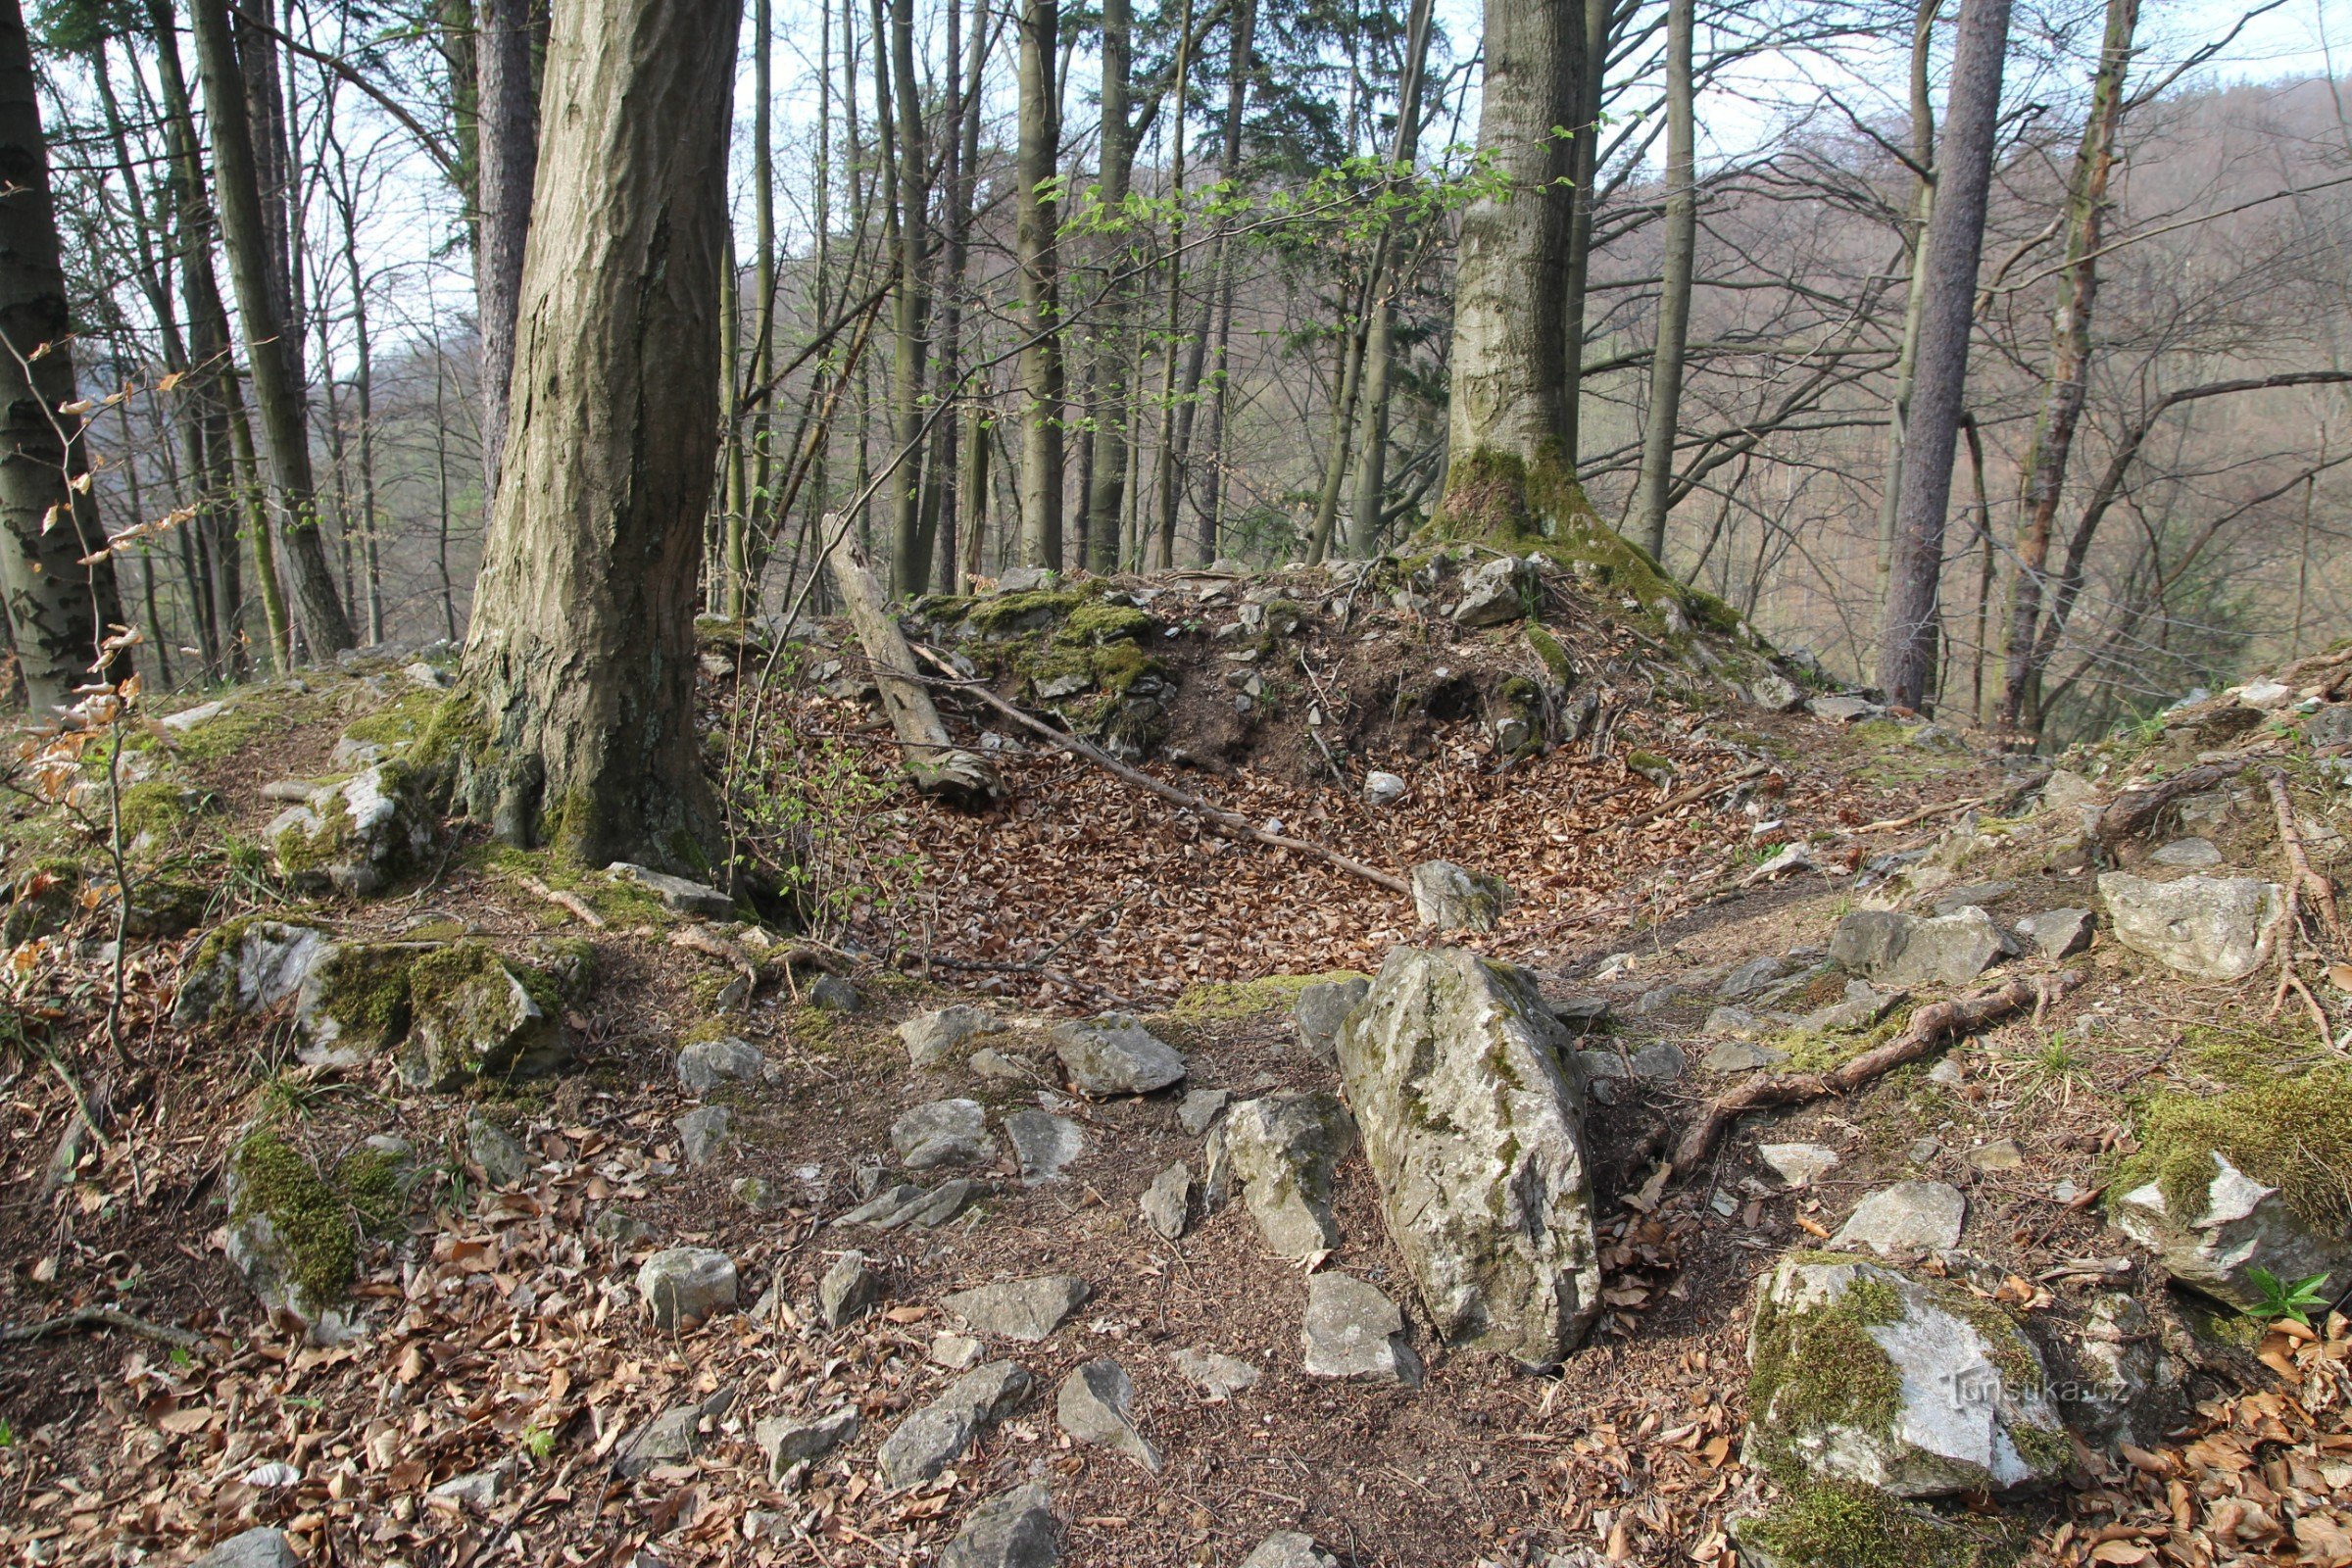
[163,808]
[1095,622]
[2294,1134]
[400,723]
[1844,1524]
[312,1220]
[1244,999]
[1820,1367]
[621,904]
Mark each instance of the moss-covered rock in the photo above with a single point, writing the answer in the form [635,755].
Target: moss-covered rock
[44,900]
[290,1233]
[353,1005]
[360,834]
[243,966]
[1837,1524]
[472,1015]
[1862,1374]
[156,810]
[2253,1179]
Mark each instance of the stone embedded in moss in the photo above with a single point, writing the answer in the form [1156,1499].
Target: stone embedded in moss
[243,966]
[353,1004]
[290,1233]
[473,1016]
[157,809]
[1860,1373]
[1094,622]
[358,835]
[1836,1524]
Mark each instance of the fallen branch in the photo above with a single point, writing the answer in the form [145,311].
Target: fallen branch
[570,902]
[1929,1025]
[1896,824]
[937,766]
[108,1317]
[1697,791]
[1232,821]
[2291,837]
[701,939]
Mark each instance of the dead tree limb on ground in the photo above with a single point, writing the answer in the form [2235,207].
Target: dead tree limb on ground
[2136,809]
[108,1317]
[1929,1025]
[1230,822]
[938,766]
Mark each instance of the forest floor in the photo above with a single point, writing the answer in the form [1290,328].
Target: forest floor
[502,1345]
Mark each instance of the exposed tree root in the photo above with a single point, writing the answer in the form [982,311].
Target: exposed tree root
[2301,879]
[108,1317]
[1929,1026]
[2136,809]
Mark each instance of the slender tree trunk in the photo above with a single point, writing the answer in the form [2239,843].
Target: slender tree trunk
[2070,363]
[1650,500]
[60,612]
[1588,60]
[364,396]
[1035,219]
[1169,444]
[910,554]
[960,176]
[581,650]
[1508,476]
[507,140]
[1107,469]
[1906,360]
[1217,299]
[1372,438]
[756,522]
[1954,240]
[1343,427]
[275,383]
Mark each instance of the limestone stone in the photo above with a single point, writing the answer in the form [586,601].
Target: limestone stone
[1285,1148]
[936,1436]
[504,1161]
[473,1017]
[1217,1374]
[671,1438]
[944,1132]
[1863,1006]
[1383,789]
[1289,1548]
[261,1547]
[1320,1011]
[244,967]
[1908,1216]
[1741,1055]
[1904,950]
[904,1203]
[1494,591]
[1750,977]
[1202,1106]
[2057,933]
[1452,898]
[932,1038]
[1113,1054]
[849,1290]
[1019,1309]
[790,1440]
[686,1285]
[830,993]
[1798,1164]
[707,1064]
[1167,1203]
[2198,853]
[1094,1407]
[1354,1331]
[356,835]
[990,1062]
[704,1132]
[1473,1129]
[2244,1226]
[2209,928]
[1042,1145]
[2001,1154]
[676,893]
[1865,1374]
[353,1003]
[1734,1023]
[1012,1530]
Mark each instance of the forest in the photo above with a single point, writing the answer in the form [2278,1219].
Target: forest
[1265,783]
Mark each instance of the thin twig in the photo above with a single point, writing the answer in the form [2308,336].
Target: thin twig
[108,1317]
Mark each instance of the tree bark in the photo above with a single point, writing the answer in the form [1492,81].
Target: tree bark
[581,651]
[1372,440]
[1923,205]
[245,234]
[1588,51]
[1106,487]
[1650,502]
[60,610]
[910,554]
[1955,238]
[507,155]
[1509,475]
[2070,363]
[1036,217]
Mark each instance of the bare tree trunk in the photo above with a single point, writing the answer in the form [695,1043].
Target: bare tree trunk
[1169,443]
[246,237]
[1035,221]
[1955,238]
[1588,60]
[2070,363]
[1108,479]
[753,526]
[911,552]
[507,143]
[962,504]
[1906,360]
[1650,502]
[581,650]
[1508,474]
[1372,440]
[60,612]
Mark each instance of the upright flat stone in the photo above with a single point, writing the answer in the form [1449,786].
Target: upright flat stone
[1094,1407]
[932,1038]
[1113,1054]
[792,1439]
[2057,933]
[1907,1217]
[849,1290]
[944,1132]
[1166,1203]
[1473,1132]
[1320,1011]
[707,1064]
[1354,1331]
[686,1285]
[1452,898]
[1284,1150]
[936,1436]
[1019,1309]
[1042,1144]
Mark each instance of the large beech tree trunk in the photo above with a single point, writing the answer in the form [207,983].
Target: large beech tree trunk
[1510,472]
[1035,221]
[507,150]
[246,235]
[581,652]
[1651,499]
[58,609]
[1947,275]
